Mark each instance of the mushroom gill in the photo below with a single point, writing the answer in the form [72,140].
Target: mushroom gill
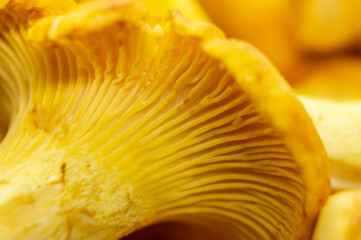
[5,118]
[121,120]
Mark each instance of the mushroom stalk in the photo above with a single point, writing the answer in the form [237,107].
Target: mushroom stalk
[339,126]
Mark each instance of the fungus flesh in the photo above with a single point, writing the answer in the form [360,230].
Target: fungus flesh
[120,120]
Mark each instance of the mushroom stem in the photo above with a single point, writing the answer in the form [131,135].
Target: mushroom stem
[339,126]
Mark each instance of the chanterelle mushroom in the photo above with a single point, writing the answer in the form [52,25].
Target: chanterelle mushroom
[330,92]
[340,218]
[191,9]
[120,120]
[325,26]
[268,24]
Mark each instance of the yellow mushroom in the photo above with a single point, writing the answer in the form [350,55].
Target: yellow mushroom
[267,24]
[339,125]
[4,119]
[191,9]
[340,218]
[328,86]
[325,26]
[120,120]
[330,92]
[331,77]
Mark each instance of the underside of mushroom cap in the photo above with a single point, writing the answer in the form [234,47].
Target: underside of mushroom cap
[120,120]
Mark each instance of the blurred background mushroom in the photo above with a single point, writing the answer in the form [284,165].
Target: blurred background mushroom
[267,24]
[328,26]
[341,217]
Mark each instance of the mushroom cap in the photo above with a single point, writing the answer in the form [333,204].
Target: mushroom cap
[191,9]
[121,120]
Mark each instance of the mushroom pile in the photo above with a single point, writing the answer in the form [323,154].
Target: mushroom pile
[118,123]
